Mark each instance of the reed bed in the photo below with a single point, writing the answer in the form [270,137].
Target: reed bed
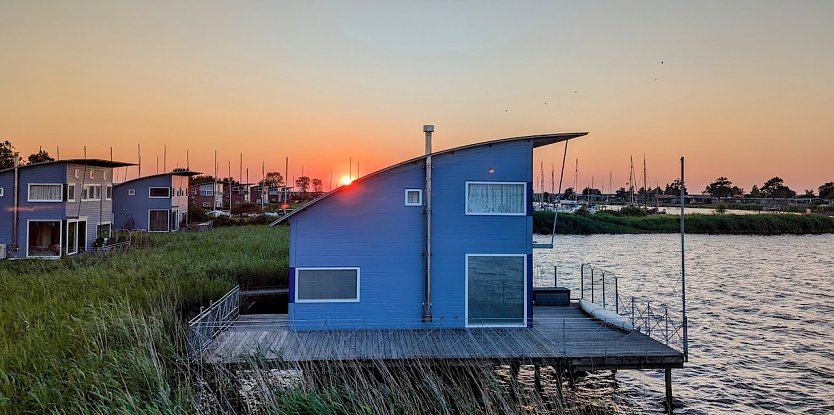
[613,223]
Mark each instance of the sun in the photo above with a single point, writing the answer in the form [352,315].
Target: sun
[345,180]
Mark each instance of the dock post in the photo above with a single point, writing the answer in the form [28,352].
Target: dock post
[582,281]
[592,284]
[616,294]
[668,389]
[537,377]
[603,289]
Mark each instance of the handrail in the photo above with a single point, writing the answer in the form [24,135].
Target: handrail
[205,325]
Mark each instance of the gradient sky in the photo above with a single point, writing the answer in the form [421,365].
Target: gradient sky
[745,88]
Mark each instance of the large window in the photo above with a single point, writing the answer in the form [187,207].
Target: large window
[319,285]
[207,190]
[103,230]
[159,192]
[46,193]
[496,198]
[496,290]
[158,220]
[90,192]
[44,239]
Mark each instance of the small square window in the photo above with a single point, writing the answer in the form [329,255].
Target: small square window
[92,174]
[414,197]
[131,192]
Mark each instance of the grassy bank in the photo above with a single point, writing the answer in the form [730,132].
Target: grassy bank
[613,223]
[103,334]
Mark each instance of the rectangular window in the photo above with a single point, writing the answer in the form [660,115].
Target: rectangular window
[131,192]
[1,192]
[92,174]
[158,220]
[160,192]
[103,230]
[70,193]
[206,191]
[414,197]
[77,173]
[324,285]
[104,174]
[496,290]
[90,192]
[108,192]
[496,198]
[46,193]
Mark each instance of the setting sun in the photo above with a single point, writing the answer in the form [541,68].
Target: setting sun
[345,181]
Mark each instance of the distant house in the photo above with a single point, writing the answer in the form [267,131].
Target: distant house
[60,209]
[358,254]
[157,203]
[273,194]
[219,195]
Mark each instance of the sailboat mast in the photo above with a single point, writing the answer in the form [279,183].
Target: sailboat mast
[645,186]
[631,179]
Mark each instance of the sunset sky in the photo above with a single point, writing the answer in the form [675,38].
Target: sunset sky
[743,89]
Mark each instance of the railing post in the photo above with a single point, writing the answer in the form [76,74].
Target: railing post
[648,318]
[582,281]
[556,276]
[592,285]
[666,318]
[603,289]
[632,311]
[616,294]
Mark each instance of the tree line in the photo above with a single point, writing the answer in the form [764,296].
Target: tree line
[7,156]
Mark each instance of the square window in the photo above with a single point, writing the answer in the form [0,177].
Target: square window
[414,197]
[131,192]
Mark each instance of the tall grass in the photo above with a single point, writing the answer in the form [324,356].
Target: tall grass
[96,334]
[610,223]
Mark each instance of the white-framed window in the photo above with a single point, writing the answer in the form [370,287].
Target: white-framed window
[414,197]
[92,174]
[131,192]
[90,192]
[496,198]
[207,190]
[46,192]
[103,230]
[108,192]
[77,173]
[104,174]
[159,192]
[43,238]
[496,290]
[1,192]
[71,192]
[206,205]
[327,285]
[159,220]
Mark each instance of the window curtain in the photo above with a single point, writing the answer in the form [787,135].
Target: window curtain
[46,192]
[496,198]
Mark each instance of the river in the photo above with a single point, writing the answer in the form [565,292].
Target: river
[761,321]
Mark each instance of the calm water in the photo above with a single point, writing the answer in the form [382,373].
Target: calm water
[761,313]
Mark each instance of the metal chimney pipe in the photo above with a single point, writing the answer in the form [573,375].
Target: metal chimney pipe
[16,202]
[427,316]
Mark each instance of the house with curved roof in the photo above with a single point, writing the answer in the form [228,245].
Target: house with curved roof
[55,208]
[441,240]
[156,203]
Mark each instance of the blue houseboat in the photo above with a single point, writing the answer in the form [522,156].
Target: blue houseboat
[157,203]
[57,208]
[442,240]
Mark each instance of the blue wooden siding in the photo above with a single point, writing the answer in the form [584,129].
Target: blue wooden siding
[136,207]
[52,174]
[367,225]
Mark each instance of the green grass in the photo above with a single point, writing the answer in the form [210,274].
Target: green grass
[103,334]
[612,223]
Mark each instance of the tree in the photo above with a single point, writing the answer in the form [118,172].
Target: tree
[721,187]
[40,157]
[302,183]
[568,193]
[7,155]
[202,179]
[809,194]
[317,188]
[179,169]
[621,193]
[775,188]
[755,192]
[589,191]
[826,191]
[272,178]
[674,188]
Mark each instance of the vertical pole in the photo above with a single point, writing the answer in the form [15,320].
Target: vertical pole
[427,197]
[683,273]
[592,284]
[632,311]
[556,276]
[286,176]
[668,377]
[616,294]
[603,289]
[537,378]
[666,321]
[582,281]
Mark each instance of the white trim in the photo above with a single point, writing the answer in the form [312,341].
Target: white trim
[60,238]
[78,246]
[324,300]
[108,187]
[73,192]
[466,293]
[419,202]
[167,221]
[91,192]
[159,197]
[131,192]
[29,192]
[466,200]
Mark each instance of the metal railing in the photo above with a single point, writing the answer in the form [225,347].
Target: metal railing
[204,326]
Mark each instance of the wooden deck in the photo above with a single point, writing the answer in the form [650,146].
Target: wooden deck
[561,336]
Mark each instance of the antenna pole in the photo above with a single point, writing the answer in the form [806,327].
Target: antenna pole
[683,271]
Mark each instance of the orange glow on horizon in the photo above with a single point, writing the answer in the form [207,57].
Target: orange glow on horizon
[345,181]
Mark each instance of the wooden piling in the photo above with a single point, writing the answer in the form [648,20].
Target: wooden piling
[669,390]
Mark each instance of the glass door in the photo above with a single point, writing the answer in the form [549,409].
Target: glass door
[496,287]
